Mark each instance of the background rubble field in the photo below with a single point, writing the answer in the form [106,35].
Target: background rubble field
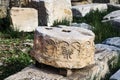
[15,46]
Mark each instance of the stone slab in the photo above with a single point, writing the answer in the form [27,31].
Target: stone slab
[83,25]
[24,19]
[114,18]
[113,15]
[82,10]
[116,76]
[114,41]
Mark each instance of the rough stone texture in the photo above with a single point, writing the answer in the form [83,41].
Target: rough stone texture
[3,12]
[24,19]
[114,18]
[82,10]
[83,25]
[107,55]
[62,48]
[49,73]
[104,54]
[107,47]
[52,10]
[116,76]
[113,15]
[115,41]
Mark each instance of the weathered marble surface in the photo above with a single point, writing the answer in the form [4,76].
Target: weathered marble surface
[82,10]
[24,19]
[65,47]
[83,25]
[113,15]
[114,18]
[52,10]
[116,76]
[114,41]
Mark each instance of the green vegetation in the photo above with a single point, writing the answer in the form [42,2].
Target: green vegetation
[14,49]
[63,22]
[101,30]
[14,55]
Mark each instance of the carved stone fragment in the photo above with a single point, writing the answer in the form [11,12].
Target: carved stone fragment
[65,47]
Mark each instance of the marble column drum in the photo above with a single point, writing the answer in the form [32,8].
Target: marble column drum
[64,47]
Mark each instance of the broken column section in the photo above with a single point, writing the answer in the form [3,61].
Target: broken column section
[65,47]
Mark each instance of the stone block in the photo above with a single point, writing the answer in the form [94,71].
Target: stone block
[83,25]
[114,41]
[65,47]
[52,10]
[114,18]
[24,19]
[83,10]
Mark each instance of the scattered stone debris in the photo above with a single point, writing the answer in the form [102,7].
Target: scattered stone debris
[71,48]
[104,54]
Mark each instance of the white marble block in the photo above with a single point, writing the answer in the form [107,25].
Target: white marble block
[24,19]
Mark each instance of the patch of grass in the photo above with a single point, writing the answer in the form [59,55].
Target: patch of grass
[14,55]
[14,64]
[101,30]
[63,22]
[10,33]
